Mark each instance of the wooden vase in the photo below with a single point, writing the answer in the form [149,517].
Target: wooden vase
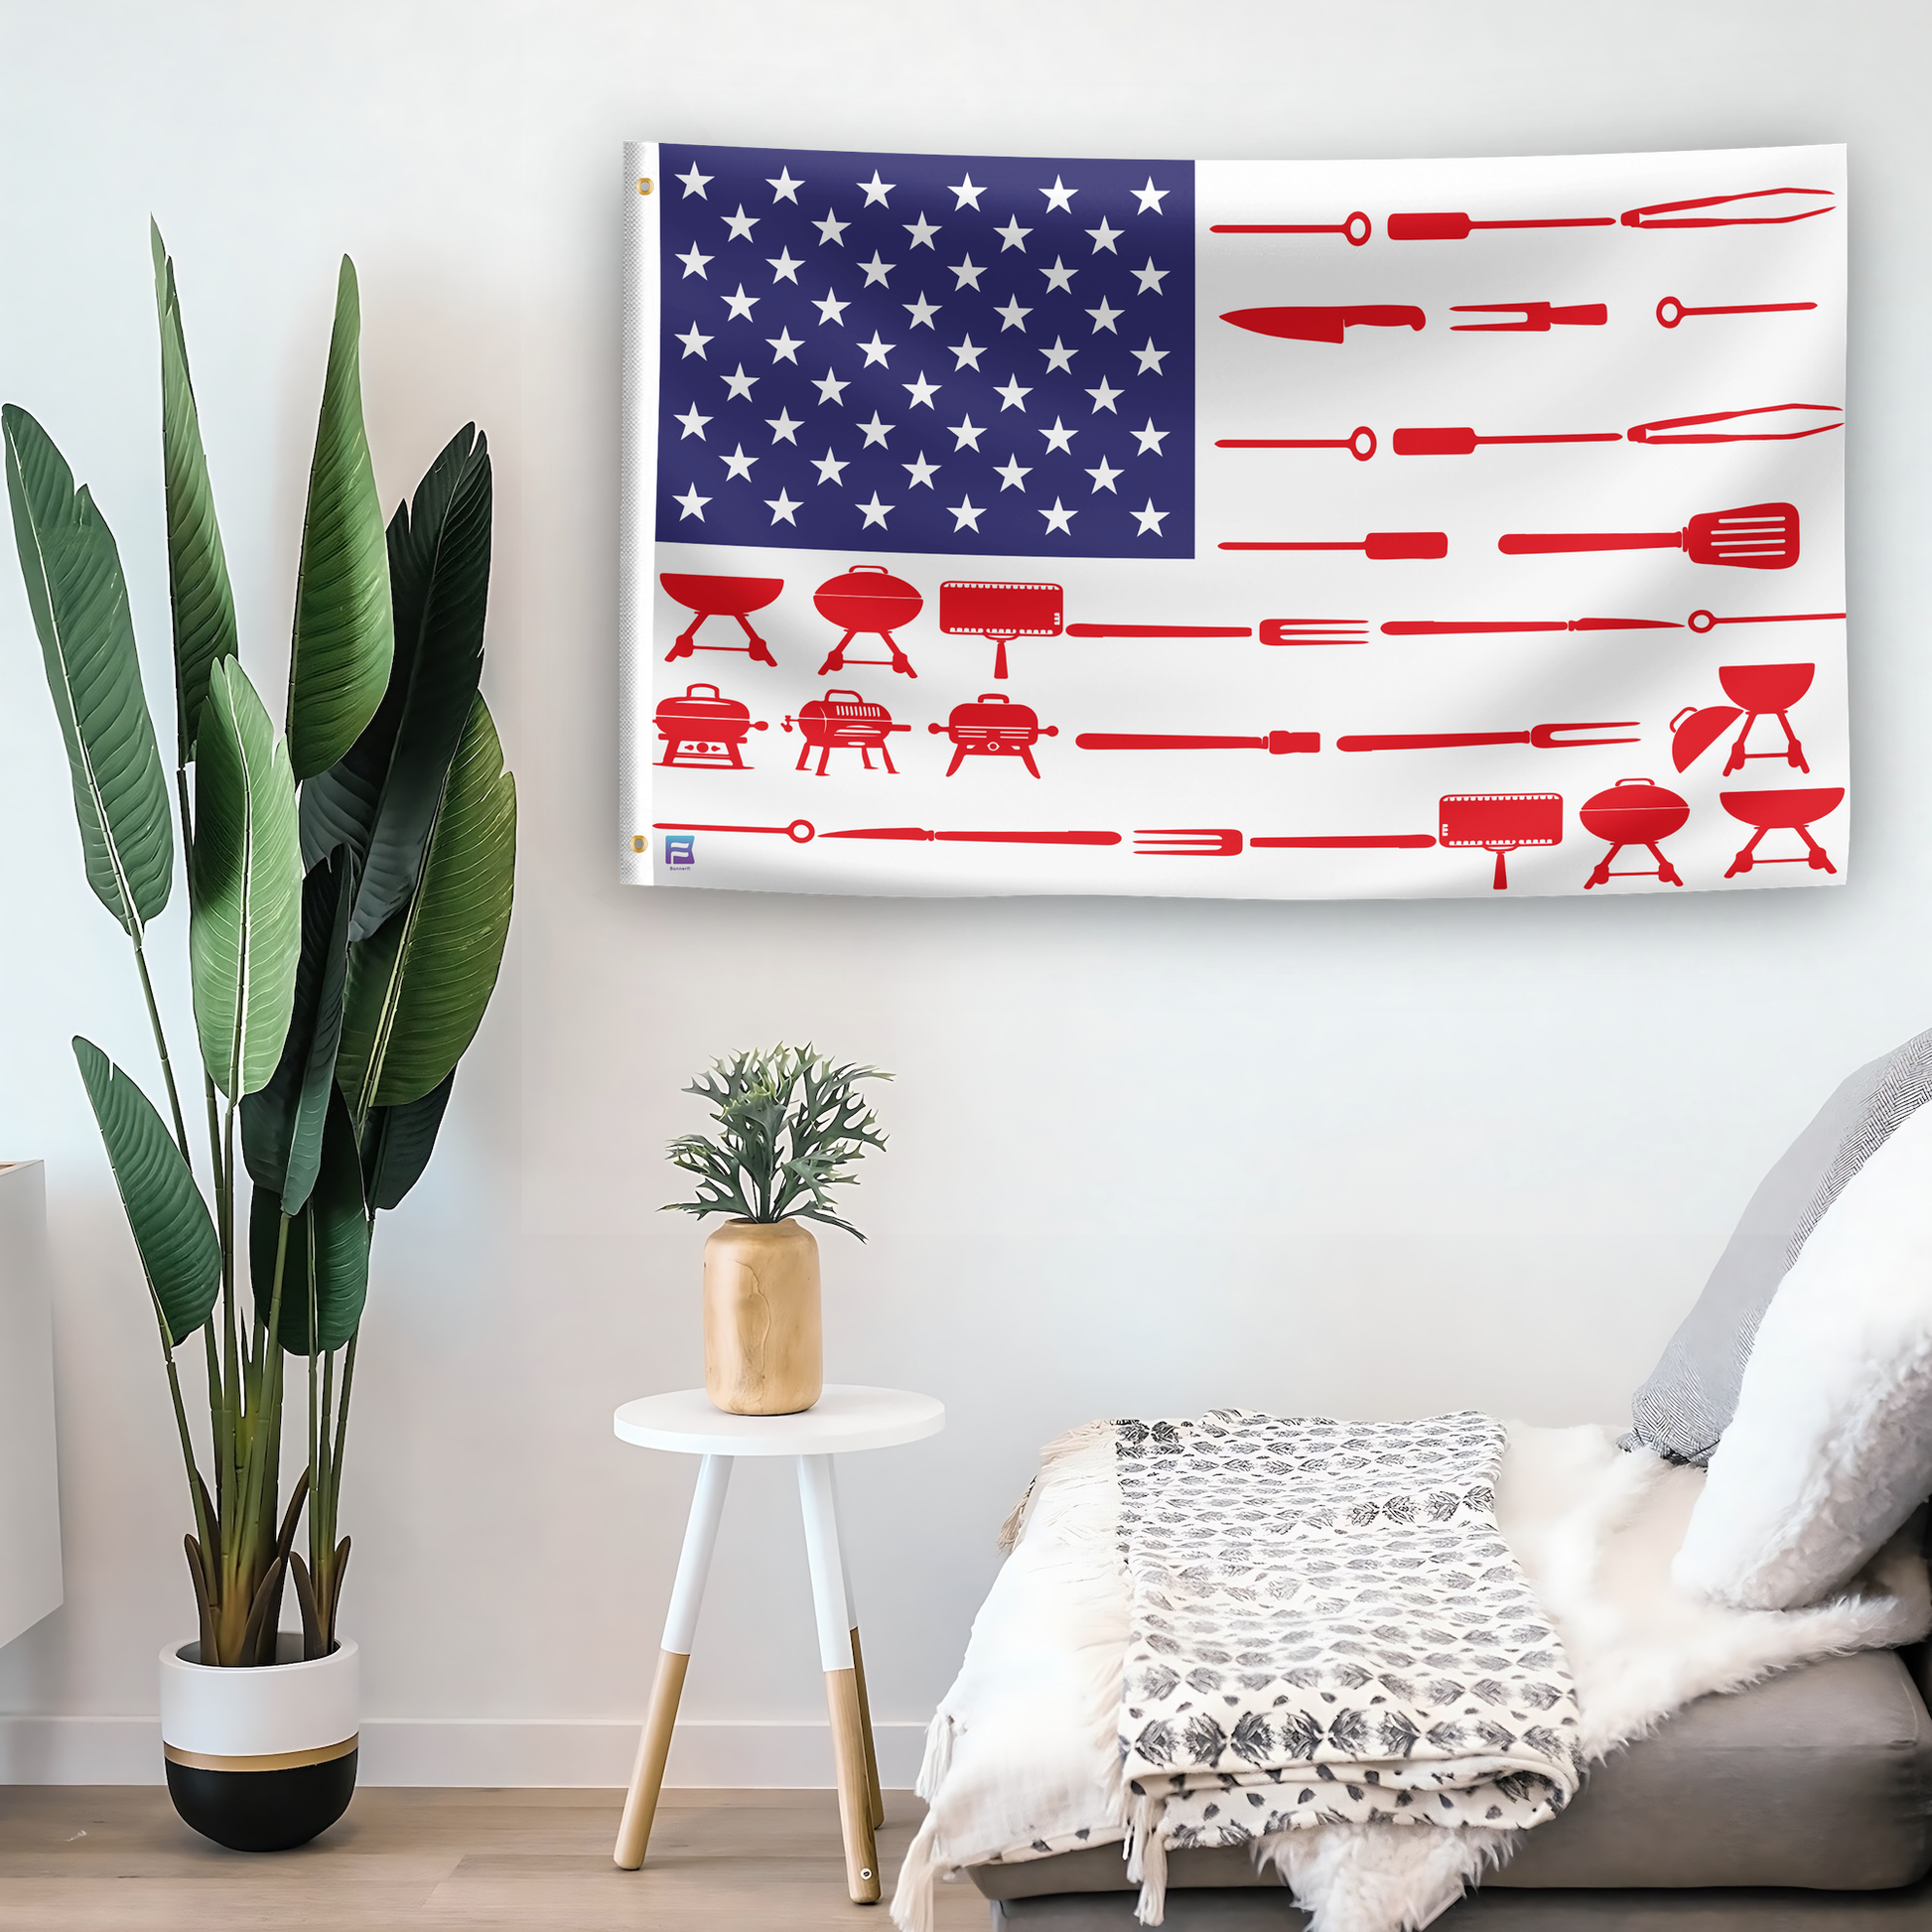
[763,1343]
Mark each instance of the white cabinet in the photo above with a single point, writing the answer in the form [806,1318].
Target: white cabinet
[30,1499]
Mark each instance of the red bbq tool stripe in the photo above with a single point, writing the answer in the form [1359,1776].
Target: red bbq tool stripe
[1412,841]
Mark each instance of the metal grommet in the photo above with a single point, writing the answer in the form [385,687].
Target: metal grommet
[637,843]
[643,184]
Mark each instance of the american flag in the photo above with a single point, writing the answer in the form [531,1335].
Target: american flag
[961,354]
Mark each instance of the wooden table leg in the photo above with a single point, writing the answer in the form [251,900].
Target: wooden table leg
[820,1510]
[878,1797]
[680,1626]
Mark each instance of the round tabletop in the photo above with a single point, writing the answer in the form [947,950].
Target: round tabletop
[846,1417]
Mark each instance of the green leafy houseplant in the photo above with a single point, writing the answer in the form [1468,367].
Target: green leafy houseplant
[790,1126]
[350,886]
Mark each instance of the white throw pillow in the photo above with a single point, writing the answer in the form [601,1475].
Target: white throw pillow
[1831,1448]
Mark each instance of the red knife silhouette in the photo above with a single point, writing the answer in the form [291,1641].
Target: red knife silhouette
[1325,324]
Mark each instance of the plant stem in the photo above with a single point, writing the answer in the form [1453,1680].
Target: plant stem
[161,1047]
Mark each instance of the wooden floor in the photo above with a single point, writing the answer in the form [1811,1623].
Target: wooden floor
[112,1859]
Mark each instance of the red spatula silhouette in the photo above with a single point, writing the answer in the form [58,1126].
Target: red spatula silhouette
[1757,536]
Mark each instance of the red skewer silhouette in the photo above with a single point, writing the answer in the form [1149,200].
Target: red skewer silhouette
[1357,228]
[1361,445]
[1677,311]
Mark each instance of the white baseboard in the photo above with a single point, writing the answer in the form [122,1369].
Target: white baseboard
[479,1751]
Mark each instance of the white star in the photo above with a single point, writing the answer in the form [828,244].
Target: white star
[1149,357]
[831,309]
[737,464]
[921,311]
[693,342]
[1013,235]
[830,388]
[877,190]
[694,264]
[694,185]
[966,435]
[693,423]
[1150,439]
[1059,517]
[876,270]
[740,224]
[1059,437]
[738,384]
[739,304]
[784,266]
[1060,276]
[783,348]
[1060,356]
[1059,196]
[831,228]
[968,275]
[922,472]
[1014,474]
[1104,397]
[967,353]
[876,431]
[876,351]
[921,391]
[1150,199]
[969,196]
[1150,277]
[691,504]
[876,512]
[781,508]
[1016,396]
[965,516]
[1103,477]
[1150,519]
[829,467]
[921,231]
[782,428]
[1105,238]
[1013,316]
[784,188]
[1105,316]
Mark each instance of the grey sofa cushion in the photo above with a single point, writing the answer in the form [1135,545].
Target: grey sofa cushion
[1820,1778]
[1692,1393]
[1503,1911]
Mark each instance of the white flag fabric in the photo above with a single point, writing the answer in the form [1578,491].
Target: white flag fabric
[1233,529]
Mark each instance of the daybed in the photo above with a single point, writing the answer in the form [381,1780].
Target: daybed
[1680,1665]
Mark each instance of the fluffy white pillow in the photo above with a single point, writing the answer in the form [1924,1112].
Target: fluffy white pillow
[1831,1448]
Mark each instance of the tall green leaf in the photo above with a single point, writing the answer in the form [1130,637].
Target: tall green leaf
[381,796]
[78,599]
[417,990]
[328,1253]
[245,934]
[180,1253]
[197,570]
[281,1126]
[345,634]
[397,1144]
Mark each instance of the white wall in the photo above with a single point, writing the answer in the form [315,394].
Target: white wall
[1372,1159]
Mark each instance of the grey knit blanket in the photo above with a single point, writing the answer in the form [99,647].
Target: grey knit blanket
[1327,1627]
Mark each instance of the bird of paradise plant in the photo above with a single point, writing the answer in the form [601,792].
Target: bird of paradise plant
[349,885]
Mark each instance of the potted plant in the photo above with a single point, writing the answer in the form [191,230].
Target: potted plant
[791,1126]
[348,884]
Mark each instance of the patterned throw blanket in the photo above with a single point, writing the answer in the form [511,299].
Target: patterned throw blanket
[1326,1628]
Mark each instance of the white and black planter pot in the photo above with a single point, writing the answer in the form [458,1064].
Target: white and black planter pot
[260,1759]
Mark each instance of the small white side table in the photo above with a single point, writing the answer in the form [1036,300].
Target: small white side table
[843,1419]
